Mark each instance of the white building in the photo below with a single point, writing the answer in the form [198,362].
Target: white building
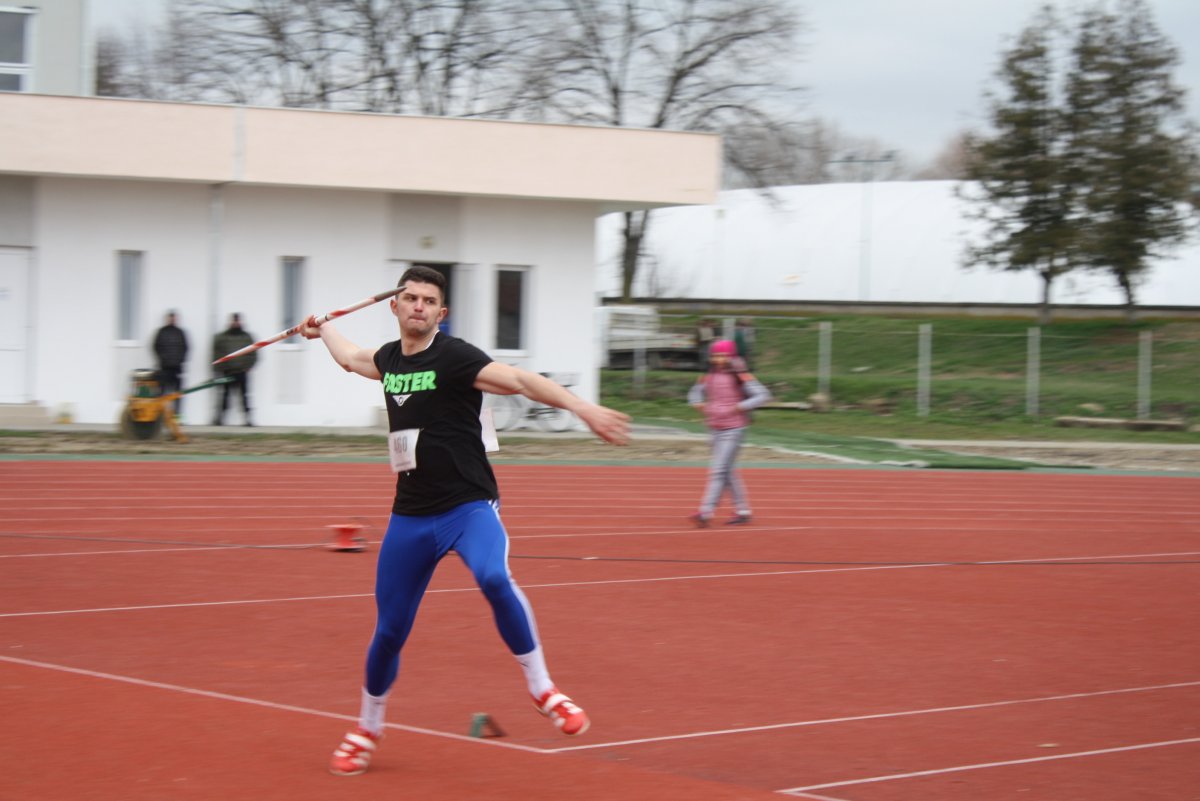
[113,212]
[45,47]
[892,241]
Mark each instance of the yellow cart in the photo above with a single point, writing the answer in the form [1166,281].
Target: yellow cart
[147,409]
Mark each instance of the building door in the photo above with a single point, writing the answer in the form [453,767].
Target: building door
[14,320]
[465,320]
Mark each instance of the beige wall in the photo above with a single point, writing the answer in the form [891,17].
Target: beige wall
[109,138]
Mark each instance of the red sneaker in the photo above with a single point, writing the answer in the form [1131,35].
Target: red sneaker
[354,754]
[569,718]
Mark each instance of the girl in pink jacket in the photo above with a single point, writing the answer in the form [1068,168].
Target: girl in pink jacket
[725,395]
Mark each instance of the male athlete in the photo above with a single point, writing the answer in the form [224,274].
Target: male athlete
[446,495]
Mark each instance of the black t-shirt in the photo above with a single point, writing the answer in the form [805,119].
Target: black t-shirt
[433,391]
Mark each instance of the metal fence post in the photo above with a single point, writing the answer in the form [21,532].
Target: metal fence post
[924,351]
[1033,371]
[1145,347]
[824,356]
[639,366]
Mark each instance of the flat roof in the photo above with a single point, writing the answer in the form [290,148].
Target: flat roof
[151,140]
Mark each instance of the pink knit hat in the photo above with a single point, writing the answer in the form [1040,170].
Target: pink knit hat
[725,346]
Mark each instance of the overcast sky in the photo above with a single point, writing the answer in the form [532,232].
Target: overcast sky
[909,74]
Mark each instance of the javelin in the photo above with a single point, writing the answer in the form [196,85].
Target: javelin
[324,318]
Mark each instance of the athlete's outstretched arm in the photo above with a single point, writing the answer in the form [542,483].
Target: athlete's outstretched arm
[351,357]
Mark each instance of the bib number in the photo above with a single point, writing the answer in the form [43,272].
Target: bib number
[402,449]
[487,431]
[402,445]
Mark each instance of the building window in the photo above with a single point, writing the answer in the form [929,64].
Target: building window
[292,291]
[510,308]
[129,295]
[15,25]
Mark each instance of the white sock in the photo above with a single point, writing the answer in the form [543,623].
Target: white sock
[536,674]
[373,709]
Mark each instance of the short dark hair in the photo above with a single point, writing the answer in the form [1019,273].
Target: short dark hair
[425,275]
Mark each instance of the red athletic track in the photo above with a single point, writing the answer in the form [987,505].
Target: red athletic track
[848,645]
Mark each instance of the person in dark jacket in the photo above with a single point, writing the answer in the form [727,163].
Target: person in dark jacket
[743,338]
[171,350]
[234,338]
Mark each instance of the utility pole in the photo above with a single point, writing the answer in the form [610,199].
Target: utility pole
[864,226]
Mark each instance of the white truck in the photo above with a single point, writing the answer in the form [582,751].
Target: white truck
[632,337]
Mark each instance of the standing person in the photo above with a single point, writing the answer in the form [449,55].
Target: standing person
[743,339]
[446,494]
[171,350]
[725,395]
[234,338]
[706,332]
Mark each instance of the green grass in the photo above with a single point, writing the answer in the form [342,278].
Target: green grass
[978,378]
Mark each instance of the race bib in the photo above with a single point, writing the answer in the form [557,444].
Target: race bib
[402,445]
[487,431]
[402,449]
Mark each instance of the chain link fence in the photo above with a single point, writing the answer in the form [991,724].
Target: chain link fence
[971,368]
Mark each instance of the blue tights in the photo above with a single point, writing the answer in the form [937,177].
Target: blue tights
[411,550]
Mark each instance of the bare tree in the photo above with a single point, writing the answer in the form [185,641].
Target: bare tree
[440,57]
[696,65]
[814,152]
[823,142]
[140,63]
[436,57]
[951,163]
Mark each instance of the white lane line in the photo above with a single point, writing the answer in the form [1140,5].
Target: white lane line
[862,517]
[878,716]
[239,699]
[982,765]
[560,584]
[189,605]
[448,590]
[285,547]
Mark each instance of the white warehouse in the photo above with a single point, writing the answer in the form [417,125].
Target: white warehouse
[881,242]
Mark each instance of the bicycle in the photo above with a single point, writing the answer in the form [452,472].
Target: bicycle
[515,411]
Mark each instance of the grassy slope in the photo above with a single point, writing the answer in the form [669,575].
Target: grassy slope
[978,388]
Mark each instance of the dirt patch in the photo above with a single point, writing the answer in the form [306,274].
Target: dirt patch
[1111,457]
[55,443]
[564,448]
[649,450]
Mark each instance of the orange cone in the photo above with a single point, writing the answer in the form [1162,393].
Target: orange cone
[345,539]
